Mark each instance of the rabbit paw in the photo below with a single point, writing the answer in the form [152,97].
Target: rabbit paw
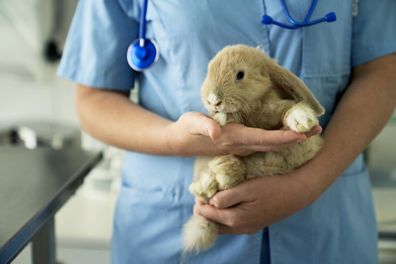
[228,171]
[205,187]
[300,118]
[220,118]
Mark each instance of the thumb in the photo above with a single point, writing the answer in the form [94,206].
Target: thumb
[241,193]
[200,124]
[227,198]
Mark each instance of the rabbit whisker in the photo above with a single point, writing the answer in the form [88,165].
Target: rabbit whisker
[246,110]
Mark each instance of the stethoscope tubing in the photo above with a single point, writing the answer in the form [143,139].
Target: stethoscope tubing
[294,24]
[307,17]
[143,23]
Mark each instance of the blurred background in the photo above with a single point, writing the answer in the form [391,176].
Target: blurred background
[37,109]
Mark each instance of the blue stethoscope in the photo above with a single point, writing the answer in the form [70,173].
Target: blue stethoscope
[143,52]
[330,17]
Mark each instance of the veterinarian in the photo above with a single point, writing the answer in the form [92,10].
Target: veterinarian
[320,213]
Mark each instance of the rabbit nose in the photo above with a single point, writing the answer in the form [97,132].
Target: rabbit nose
[214,100]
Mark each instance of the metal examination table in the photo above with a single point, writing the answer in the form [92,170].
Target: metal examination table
[34,185]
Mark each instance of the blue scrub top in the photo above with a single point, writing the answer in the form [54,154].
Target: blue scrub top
[154,201]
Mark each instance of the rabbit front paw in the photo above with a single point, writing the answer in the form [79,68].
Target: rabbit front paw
[300,118]
[220,118]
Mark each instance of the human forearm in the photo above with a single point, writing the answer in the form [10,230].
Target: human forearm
[112,118]
[360,115]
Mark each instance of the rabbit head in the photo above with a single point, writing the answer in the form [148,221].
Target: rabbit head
[240,75]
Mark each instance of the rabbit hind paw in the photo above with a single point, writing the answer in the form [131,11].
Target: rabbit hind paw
[228,170]
[205,187]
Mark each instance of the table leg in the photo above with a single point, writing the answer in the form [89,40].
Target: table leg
[43,244]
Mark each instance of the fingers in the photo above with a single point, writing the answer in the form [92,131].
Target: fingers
[230,197]
[229,210]
[198,203]
[199,124]
[239,139]
[277,137]
[221,216]
[262,140]
[314,131]
[229,220]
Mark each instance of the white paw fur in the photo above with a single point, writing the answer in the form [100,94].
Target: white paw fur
[220,118]
[300,118]
[198,234]
[206,187]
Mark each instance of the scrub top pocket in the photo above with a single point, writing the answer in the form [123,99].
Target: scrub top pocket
[148,227]
[327,47]
[326,56]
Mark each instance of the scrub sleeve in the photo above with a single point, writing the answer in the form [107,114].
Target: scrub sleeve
[95,52]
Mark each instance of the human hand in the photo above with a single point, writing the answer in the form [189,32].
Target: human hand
[255,204]
[196,134]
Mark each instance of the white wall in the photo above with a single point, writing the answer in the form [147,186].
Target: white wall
[29,88]
[45,100]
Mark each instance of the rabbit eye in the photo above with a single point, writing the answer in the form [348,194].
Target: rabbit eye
[240,75]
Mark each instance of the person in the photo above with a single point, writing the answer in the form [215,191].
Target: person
[319,213]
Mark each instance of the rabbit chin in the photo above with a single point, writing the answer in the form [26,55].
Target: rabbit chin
[224,109]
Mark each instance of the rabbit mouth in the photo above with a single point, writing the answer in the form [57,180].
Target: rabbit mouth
[225,106]
[224,110]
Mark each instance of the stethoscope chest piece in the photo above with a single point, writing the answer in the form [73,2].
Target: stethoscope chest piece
[142,54]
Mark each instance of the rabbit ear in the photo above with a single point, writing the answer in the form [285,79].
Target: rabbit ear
[292,85]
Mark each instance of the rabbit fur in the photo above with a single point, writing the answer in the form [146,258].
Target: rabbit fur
[243,85]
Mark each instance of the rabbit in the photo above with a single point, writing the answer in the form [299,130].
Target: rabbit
[243,85]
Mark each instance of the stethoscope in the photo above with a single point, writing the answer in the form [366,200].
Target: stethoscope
[330,17]
[143,52]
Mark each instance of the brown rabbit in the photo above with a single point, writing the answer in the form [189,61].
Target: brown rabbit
[245,86]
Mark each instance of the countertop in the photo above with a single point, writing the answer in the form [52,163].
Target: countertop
[34,184]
